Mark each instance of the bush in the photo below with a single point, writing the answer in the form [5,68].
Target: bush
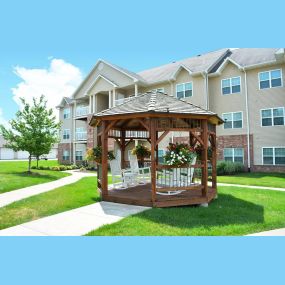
[33,167]
[229,168]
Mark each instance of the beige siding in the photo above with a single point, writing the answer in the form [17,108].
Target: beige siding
[65,124]
[228,103]
[101,85]
[264,99]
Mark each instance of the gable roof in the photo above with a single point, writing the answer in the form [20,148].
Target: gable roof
[197,64]
[64,100]
[155,102]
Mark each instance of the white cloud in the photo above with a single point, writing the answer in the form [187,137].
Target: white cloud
[60,79]
[3,121]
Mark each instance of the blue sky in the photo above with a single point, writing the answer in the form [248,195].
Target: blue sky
[134,34]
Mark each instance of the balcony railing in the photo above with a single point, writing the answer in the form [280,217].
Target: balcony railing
[81,111]
[81,136]
[123,100]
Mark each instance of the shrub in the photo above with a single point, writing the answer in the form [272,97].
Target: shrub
[229,168]
[33,167]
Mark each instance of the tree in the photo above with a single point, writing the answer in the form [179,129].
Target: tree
[34,129]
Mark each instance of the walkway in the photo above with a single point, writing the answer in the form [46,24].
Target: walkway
[252,187]
[16,195]
[279,232]
[76,222]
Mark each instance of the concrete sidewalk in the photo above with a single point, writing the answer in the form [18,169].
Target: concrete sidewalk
[252,187]
[16,195]
[76,222]
[272,233]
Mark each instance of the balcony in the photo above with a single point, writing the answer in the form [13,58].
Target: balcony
[81,136]
[82,111]
[123,100]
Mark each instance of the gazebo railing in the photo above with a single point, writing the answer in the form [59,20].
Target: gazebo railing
[171,178]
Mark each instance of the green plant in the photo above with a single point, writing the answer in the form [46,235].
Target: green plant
[95,154]
[228,167]
[179,154]
[141,151]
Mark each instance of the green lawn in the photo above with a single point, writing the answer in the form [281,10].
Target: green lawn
[237,211]
[13,174]
[56,201]
[259,179]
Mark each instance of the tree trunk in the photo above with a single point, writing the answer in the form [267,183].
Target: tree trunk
[37,162]
[30,160]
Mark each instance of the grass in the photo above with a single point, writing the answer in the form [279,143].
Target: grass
[56,201]
[13,174]
[276,180]
[237,211]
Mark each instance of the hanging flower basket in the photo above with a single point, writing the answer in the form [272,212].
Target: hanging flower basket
[179,155]
[141,151]
[95,154]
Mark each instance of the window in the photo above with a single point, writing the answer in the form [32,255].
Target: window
[81,111]
[273,155]
[272,117]
[160,156]
[66,113]
[270,79]
[232,120]
[184,90]
[233,154]
[65,155]
[66,134]
[79,155]
[81,134]
[231,85]
[158,90]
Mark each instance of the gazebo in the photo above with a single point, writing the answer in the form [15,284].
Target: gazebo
[151,117]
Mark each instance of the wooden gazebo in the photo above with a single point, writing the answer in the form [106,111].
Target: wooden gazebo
[150,117]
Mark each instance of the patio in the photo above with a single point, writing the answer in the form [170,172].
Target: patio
[152,117]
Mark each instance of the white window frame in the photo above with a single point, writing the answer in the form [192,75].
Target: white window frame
[231,85]
[64,157]
[64,113]
[76,155]
[232,114]
[64,134]
[274,157]
[272,117]
[233,153]
[184,84]
[270,78]
[81,132]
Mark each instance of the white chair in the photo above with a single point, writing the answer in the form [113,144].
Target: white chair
[121,177]
[143,173]
[178,177]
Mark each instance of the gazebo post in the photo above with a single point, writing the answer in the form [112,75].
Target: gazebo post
[214,159]
[153,159]
[123,144]
[205,158]
[104,141]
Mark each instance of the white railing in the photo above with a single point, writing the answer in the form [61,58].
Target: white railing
[123,100]
[81,111]
[81,136]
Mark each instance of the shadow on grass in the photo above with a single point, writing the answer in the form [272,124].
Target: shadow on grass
[257,175]
[33,175]
[226,210]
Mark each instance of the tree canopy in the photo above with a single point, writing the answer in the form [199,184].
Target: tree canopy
[34,129]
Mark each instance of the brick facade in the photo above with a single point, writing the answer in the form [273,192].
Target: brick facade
[61,148]
[268,168]
[90,134]
[235,141]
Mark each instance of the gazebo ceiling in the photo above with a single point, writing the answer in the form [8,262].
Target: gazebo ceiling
[155,104]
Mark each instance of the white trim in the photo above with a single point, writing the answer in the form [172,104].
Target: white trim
[274,157]
[231,86]
[232,113]
[184,83]
[269,71]
[176,72]
[102,77]
[272,117]
[224,64]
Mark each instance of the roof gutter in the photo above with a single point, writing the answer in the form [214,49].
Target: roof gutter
[247,121]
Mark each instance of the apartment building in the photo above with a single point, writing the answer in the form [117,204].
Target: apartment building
[244,86]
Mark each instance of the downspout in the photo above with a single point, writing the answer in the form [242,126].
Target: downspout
[247,121]
[205,76]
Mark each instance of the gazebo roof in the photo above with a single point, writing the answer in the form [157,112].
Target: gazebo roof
[156,103]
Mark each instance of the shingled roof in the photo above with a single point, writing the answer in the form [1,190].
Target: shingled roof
[156,102]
